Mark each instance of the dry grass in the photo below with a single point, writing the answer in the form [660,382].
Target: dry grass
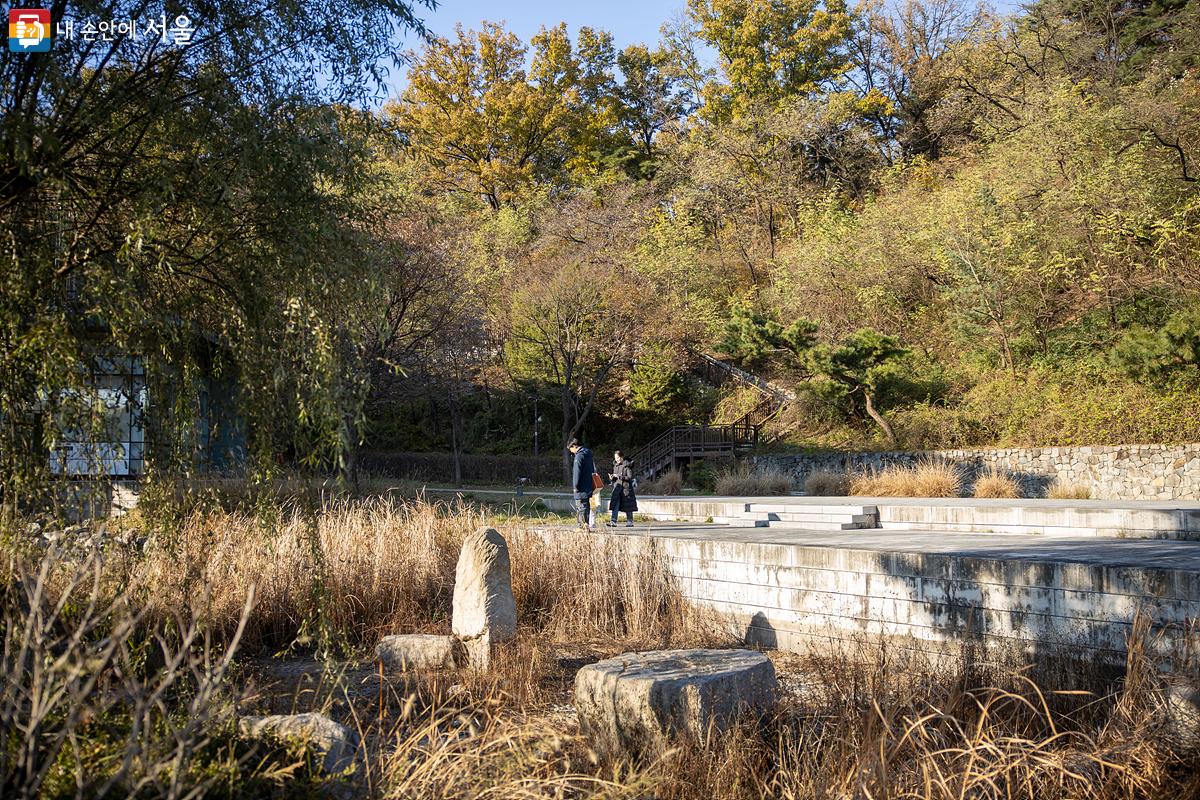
[995,484]
[668,483]
[878,722]
[928,479]
[826,483]
[358,570]
[748,481]
[1058,490]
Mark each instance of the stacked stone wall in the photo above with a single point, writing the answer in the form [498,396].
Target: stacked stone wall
[1120,472]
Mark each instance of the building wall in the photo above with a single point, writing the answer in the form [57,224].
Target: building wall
[1120,472]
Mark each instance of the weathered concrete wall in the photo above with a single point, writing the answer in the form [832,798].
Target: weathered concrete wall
[795,597]
[1125,472]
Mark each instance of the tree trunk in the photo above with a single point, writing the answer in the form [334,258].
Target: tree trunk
[879,419]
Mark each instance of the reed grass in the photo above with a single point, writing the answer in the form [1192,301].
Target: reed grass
[927,479]
[996,484]
[826,483]
[872,722]
[745,480]
[1062,490]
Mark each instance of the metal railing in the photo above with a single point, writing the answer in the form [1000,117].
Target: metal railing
[702,441]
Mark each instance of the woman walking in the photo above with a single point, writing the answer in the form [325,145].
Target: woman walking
[623,497]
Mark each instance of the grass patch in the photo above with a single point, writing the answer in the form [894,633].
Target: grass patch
[668,483]
[158,652]
[928,479]
[745,480]
[827,483]
[996,484]
[1060,490]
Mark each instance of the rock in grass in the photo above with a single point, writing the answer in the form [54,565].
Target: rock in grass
[417,651]
[637,703]
[483,597]
[1183,714]
[335,744]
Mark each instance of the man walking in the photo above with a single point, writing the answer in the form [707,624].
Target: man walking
[581,480]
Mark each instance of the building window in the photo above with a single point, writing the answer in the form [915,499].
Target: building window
[109,439]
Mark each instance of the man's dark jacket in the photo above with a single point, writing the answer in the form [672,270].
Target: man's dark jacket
[581,476]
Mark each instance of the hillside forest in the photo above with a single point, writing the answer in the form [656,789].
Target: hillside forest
[936,225]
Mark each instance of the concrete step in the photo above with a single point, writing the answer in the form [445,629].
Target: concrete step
[742,522]
[867,520]
[804,508]
[826,525]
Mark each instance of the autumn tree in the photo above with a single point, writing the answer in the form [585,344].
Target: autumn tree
[651,96]
[770,49]
[577,312]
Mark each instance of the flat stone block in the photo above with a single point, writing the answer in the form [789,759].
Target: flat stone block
[637,703]
[335,744]
[417,651]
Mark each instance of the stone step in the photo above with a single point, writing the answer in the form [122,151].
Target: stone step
[804,508]
[867,520]
[742,522]
[830,525]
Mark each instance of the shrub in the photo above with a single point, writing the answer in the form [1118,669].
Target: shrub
[927,479]
[746,480]
[701,476]
[826,483]
[670,482]
[1060,490]
[995,484]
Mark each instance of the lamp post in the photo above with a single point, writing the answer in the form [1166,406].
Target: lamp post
[537,418]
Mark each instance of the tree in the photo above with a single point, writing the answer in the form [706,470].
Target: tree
[852,365]
[1170,352]
[486,126]
[770,50]
[150,192]
[578,312]
[650,96]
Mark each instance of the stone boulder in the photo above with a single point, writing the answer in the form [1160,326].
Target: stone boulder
[418,651]
[484,609]
[335,744]
[1182,717]
[637,703]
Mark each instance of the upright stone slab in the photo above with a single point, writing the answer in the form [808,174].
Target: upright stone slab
[484,609]
[636,703]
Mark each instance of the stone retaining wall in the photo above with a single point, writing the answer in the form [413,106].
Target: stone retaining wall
[1120,472]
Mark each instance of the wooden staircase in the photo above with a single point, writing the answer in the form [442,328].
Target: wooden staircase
[684,444]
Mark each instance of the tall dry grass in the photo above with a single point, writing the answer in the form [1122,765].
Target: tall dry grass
[745,480]
[826,483]
[668,483]
[355,571]
[994,484]
[1061,490]
[928,479]
[877,722]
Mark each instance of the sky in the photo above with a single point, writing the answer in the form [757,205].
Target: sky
[629,21]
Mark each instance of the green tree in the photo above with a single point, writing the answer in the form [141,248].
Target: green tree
[1169,352]
[851,367]
[650,97]
[155,195]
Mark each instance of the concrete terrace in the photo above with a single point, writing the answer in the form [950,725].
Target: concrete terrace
[799,584]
